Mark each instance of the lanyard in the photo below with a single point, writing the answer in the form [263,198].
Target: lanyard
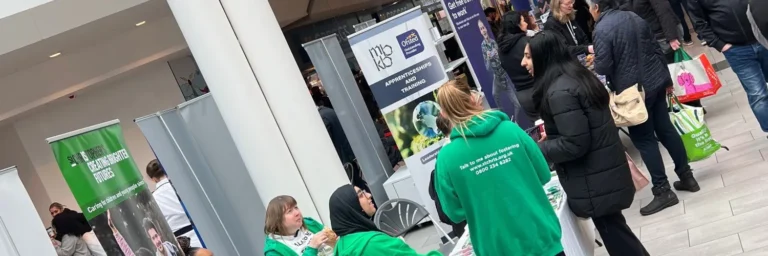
[573,32]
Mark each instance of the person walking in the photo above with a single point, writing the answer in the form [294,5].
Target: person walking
[679,7]
[724,25]
[563,22]
[492,172]
[627,54]
[511,47]
[583,142]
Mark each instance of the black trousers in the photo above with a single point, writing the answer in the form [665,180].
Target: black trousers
[659,124]
[677,8]
[618,237]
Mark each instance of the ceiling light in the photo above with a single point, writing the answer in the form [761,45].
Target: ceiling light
[141,23]
[55,55]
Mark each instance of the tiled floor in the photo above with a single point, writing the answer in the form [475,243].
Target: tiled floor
[729,216]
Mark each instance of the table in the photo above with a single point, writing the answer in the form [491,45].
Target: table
[578,235]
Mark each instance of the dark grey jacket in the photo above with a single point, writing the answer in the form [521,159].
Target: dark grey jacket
[626,52]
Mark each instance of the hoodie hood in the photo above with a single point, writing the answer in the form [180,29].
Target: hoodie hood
[507,42]
[480,125]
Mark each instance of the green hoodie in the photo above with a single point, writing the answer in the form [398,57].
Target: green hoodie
[374,243]
[275,248]
[492,177]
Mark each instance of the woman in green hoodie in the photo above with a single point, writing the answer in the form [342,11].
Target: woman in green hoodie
[491,175]
[351,212]
[290,234]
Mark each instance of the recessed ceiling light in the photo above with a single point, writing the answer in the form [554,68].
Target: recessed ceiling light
[141,23]
[55,55]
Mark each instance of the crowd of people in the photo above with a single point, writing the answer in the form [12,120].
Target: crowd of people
[632,42]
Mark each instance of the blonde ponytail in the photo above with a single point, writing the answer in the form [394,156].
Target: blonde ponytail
[458,104]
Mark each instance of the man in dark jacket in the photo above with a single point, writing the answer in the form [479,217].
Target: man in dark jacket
[757,11]
[627,54]
[662,21]
[724,25]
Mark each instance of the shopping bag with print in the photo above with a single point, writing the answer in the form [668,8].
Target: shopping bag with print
[689,123]
[637,176]
[693,78]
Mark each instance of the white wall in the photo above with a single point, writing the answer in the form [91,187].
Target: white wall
[146,90]
[12,153]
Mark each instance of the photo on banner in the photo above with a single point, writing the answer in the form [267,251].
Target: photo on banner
[479,44]
[111,192]
[399,60]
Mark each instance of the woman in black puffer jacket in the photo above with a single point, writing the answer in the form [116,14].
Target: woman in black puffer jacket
[583,141]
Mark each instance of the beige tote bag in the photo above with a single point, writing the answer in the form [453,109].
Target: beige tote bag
[628,107]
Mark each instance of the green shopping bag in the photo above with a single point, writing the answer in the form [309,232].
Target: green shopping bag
[689,123]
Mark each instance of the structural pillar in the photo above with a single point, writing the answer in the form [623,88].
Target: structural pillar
[276,157]
[286,93]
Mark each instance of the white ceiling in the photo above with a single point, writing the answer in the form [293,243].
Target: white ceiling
[82,36]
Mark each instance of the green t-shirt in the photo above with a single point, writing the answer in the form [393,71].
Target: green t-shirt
[492,175]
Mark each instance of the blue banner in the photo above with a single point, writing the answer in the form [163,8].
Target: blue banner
[482,52]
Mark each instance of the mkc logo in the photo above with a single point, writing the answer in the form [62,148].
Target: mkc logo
[380,55]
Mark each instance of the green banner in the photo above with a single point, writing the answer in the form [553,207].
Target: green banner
[111,192]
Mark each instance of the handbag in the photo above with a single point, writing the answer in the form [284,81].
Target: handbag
[693,78]
[638,178]
[628,107]
[689,123]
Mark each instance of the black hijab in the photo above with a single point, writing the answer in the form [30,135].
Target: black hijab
[347,216]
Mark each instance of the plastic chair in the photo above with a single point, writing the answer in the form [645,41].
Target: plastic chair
[398,216]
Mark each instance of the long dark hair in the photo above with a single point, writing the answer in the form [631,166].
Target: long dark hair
[510,23]
[551,59]
[69,223]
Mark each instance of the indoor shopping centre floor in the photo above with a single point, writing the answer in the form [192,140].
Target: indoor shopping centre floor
[728,216]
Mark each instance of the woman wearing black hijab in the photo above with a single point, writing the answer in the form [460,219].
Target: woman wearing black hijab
[351,212]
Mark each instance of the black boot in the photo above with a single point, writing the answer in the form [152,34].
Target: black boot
[687,182]
[663,197]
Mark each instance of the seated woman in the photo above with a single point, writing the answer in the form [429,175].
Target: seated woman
[69,233]
[351,212]
[289,233]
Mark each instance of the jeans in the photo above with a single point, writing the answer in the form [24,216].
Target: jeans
[659,124]
[617,236]
[750,63]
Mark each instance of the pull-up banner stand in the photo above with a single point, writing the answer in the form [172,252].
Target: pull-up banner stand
[479,46]
[400,62]
[111,192]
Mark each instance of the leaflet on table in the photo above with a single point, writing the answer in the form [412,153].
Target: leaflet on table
[479,44]
[399,60]
[111,191]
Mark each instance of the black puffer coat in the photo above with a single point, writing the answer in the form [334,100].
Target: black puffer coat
[627,53]
[583,143]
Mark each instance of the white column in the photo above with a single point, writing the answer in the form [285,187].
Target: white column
[271,60]
[241,102]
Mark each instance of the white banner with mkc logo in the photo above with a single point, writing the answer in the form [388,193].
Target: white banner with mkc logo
[400,62]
